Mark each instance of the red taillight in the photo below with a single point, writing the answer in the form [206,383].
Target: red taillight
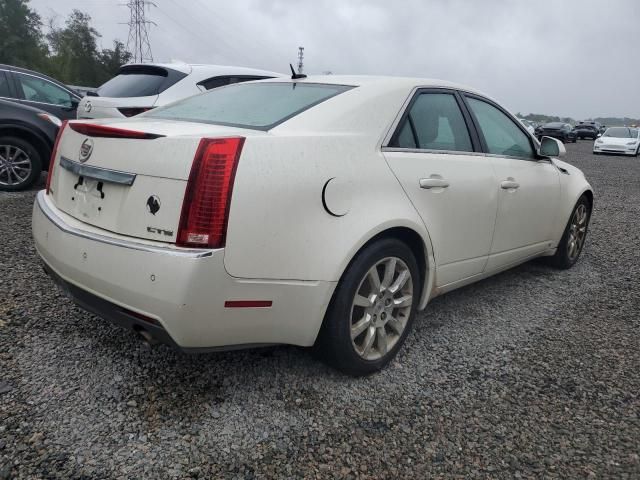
[52,161]
[205,211]
[132,111]
[92,130]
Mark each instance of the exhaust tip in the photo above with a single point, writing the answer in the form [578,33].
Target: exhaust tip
[146,337]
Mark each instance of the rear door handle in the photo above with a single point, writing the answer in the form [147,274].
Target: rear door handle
[509,184]
[433,182]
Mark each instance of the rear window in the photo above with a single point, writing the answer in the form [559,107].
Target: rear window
[259,106]
[140,81]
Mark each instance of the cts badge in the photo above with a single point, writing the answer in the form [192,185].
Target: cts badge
[86,149]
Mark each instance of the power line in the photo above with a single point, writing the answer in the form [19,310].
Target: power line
[300,59]
[138,42]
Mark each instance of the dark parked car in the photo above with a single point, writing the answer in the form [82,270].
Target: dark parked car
[39,91]
[27,136]
[586,130]
[562,131]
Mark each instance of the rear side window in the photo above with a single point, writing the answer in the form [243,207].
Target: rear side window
[501,134]
[259,106]
[5,91]
[140,81]
[223,80]
[434,122]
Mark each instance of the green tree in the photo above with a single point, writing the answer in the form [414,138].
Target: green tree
[112,60]
[75,57]
[21,39]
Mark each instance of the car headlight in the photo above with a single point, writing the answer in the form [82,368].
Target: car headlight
[599,141]
[51,118]
[632,143]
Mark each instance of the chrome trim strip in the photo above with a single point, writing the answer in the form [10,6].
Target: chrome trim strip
[97,173]
[173,251]
[436,152]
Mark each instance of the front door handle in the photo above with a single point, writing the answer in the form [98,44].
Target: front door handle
[433,182]
[509,184]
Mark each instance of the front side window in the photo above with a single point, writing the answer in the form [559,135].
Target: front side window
[501,134]
[37,89]
[261,105]
[435,122]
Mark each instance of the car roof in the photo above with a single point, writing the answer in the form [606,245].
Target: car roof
[208,69]
[382,82]
[39,74]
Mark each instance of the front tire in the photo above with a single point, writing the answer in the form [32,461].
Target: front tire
[20,164]
[372,309]
[574,237]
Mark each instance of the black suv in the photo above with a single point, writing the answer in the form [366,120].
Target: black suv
[587,130]
[562,131]
[39,91]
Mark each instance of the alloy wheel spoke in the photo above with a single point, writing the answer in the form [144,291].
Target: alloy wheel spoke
[381,341]
[374,278]
[395,325]
[360,326]
[400,281]
[368,341]
[404,301]
[389,272]
[362,301]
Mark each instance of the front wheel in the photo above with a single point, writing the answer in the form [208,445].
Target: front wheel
[575,234]
[372,309]
[20,164]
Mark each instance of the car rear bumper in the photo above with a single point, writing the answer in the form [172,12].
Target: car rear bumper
[179,296]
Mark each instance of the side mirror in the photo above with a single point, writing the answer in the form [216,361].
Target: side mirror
[550,147]
[599,135]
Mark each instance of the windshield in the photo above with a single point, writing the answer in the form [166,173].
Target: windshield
[261,105]
[587,127]
[621,132]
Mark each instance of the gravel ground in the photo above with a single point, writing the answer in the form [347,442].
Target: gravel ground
[532,373]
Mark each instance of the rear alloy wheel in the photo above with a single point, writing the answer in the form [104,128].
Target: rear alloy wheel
[20,164]
[372,310]
[574,236]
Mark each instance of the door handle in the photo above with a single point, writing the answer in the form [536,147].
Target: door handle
[509,184]
[433,182]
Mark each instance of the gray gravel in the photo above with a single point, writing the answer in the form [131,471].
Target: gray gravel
[533,373]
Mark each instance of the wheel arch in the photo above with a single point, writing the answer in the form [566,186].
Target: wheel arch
[41,145]
[417,238]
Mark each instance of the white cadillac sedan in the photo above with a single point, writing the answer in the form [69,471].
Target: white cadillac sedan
[624,140]
[318,212]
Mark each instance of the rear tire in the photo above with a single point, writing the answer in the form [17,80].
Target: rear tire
[372,309]
[20,164]
[574,237]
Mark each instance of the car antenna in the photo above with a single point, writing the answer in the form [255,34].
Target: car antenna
[294,75]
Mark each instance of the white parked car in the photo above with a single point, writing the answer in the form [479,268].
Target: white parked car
[141,87]
[625,140]
[323,211]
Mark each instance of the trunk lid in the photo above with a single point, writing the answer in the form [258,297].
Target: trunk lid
[130,186]
[105,107]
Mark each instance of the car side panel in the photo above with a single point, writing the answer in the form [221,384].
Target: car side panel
[279,226]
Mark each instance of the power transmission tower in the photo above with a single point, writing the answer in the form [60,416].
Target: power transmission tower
[138,42]
[300,59]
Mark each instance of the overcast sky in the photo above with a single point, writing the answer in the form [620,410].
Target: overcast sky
[577,58]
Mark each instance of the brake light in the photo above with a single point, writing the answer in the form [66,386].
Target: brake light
[132,111]
[52,161]
[104,131]
[205,210]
